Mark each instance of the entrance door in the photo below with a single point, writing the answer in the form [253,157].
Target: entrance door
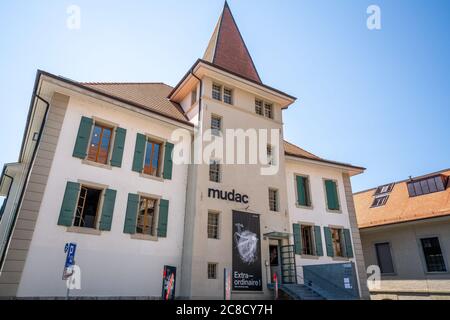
[275,262]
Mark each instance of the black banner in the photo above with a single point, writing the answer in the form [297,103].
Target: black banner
[247,270]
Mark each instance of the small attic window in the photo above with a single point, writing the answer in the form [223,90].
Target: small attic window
[380,201]
[384,189]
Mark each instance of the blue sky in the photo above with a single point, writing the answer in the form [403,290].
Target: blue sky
[379,99]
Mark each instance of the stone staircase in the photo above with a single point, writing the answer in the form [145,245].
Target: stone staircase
[299,292]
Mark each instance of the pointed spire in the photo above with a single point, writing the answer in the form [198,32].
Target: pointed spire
[227,48]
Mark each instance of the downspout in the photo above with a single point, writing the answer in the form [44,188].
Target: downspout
[22,193]
[7,194]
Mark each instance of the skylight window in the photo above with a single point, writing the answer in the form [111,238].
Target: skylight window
[426,186]
[384,189]
[380,201]
[381,195]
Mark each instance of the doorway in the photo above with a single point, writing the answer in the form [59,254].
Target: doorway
[274,260]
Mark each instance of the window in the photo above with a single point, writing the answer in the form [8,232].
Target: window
[214,171]
[87,208]
[152,160]
[212,270]
[259,107]
[270,157]
[216,125]
[273,200]
[268,110]
[384,189]
[213,225]
[217,92]
[194,96]
[146,219]
[338,243]
[380,201]
[384,257]
[100,144]
[307,240]
[425,186]
[303,194]
[433,255]
[332,195]
[228,96]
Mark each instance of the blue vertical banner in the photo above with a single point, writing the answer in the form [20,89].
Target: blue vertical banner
[69,249]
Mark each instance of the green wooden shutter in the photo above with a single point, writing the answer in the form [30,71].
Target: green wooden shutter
[348,243]
[301,191]
[168,162]
[328,242]
[107,210]
[119,144]
[69,204]
[131,214]
[297,238]
[318,241]
[84,133]
[332,196]
[163,218]
[139,150]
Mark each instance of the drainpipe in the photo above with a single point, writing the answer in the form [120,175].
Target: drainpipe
[7,194]
[16,211]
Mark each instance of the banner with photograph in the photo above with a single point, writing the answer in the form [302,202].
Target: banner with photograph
[247,269]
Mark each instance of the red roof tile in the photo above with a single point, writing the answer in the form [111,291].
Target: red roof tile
[227,48]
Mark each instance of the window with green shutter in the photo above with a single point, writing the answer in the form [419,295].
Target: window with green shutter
[318,241]
[303,198]
[119,145]
[109,200]
[139,151]
[69,204]
[131,214]
[168,161]
[82,141]
[297,238]
[328,241]
[348,243]
[163,218]
[332,195]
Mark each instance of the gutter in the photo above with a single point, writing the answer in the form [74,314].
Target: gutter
[33,157]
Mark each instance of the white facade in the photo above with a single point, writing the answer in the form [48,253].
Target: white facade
[106,260]
[116,264]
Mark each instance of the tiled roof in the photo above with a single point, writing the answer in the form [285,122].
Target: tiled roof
[227,48]
[153,96]
[400,207]
[295,151]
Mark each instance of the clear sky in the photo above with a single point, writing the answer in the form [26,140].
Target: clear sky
[374,98]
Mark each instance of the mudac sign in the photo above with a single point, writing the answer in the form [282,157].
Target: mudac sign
[227,195]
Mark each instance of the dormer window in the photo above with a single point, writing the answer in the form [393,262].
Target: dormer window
[426,186]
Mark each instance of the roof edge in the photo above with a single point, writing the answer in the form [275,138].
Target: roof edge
[82,86]
[198,61]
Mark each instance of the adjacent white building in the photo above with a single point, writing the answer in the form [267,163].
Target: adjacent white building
[97,168]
